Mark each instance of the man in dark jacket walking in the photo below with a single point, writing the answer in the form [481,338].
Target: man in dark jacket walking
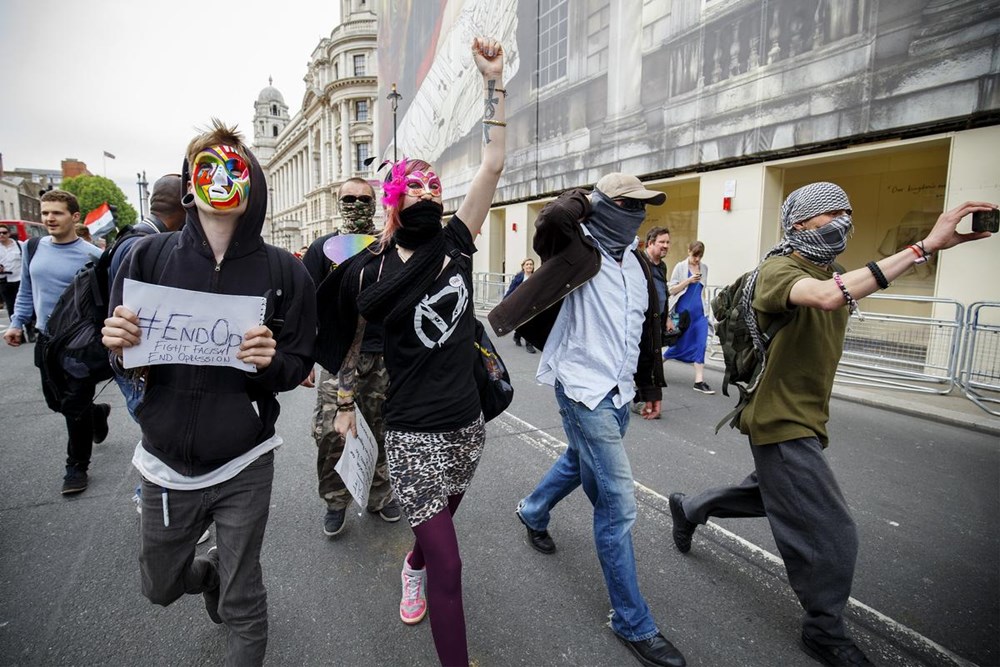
[592,309]
[208,431]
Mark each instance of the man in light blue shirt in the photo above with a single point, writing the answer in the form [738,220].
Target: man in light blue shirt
[44,278]
[603,343]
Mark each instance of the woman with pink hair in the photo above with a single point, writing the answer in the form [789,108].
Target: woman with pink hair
[417,285]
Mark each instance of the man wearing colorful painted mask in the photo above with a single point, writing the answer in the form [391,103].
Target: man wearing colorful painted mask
[356,203]
[208,432]
[792,483]
[418,284]
[593,309]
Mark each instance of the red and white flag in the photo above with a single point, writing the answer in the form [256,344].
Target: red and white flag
[100,221]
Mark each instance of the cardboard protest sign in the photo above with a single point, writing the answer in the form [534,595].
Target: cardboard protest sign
[180,326]
[357,466]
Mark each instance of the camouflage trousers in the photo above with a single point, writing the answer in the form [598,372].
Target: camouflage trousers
[369,394]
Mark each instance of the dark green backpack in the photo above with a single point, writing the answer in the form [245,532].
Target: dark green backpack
[744,364]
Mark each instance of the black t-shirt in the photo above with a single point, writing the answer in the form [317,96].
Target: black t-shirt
[430,356]
[319,267]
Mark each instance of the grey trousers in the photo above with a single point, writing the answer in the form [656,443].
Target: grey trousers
[169,568]
[794,487]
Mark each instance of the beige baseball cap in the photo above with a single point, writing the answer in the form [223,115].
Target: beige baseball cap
[625,185]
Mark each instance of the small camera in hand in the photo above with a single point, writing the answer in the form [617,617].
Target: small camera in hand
[986,221]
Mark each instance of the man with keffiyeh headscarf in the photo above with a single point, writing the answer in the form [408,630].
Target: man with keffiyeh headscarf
[792,483]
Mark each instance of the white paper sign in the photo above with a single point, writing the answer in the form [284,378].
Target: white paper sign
[182,326]
[357,466]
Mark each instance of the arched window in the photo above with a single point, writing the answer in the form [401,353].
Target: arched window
[274,109]
[274,130]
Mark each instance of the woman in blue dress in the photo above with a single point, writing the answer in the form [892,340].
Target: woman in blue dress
[686,287]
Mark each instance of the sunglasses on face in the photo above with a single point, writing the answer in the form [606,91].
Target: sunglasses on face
[4,232]
[631,204]
[350,199]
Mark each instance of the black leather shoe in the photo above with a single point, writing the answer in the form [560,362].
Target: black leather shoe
[838,655]
[540,540]
[656,651]
[683,529]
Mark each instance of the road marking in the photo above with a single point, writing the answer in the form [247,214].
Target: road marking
[553,447]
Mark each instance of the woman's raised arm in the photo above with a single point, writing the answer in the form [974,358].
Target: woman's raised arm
[488,55]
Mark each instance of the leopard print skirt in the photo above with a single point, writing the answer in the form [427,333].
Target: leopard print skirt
[426,468]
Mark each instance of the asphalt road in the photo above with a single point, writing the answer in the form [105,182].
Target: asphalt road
[925,496]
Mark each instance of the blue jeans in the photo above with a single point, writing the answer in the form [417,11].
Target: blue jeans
[596,459]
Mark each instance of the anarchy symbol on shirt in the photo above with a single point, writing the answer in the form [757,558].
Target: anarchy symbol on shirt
[426,312]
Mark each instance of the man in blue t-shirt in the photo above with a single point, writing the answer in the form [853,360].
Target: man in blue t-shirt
[45,275]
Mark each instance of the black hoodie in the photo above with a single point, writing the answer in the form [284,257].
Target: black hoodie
[196,418]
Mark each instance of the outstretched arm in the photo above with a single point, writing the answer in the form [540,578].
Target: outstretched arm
[859,283]
[488,55]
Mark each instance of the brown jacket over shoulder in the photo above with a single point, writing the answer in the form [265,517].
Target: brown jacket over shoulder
[569,259]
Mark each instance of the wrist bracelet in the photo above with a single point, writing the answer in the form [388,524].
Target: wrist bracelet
[879,276]
[345,407]
[922,255]
[490,121]
[498,90]
[852,305]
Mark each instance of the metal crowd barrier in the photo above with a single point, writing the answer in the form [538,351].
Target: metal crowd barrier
[909,352]
[488,288]
[979,375]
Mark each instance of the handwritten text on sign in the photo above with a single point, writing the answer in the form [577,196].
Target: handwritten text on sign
[357,466]
[181,326]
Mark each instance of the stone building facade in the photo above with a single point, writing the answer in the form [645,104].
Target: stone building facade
[308,156]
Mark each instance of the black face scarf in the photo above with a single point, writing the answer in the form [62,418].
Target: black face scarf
[612,226]
[394,297]
[420,223]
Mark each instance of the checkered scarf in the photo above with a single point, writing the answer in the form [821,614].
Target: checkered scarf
[820,246]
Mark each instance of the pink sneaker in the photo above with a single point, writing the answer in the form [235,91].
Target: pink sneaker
[413,605]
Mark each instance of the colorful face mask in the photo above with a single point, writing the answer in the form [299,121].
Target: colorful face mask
[221,177]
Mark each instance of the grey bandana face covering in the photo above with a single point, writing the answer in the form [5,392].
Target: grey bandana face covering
[613,226]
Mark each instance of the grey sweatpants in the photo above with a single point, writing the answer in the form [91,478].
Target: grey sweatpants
[239,507]
[794,487]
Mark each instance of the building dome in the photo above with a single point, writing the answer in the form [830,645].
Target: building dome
[270,94]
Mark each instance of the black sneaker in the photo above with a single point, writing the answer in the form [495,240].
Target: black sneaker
[390,512]
[683,529]
[838,655]
[75,481]
[333,522]
[100,415]
[540,540]
[212,596]
[703,388]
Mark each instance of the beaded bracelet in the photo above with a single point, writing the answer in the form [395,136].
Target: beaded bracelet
[490,121]
[879,276]
[345,407]
[852,305]
[345,394]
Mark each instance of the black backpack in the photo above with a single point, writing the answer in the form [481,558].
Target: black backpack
[73,347]
[744,363]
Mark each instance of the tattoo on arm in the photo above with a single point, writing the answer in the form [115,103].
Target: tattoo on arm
[490,107]
[491,100]
[347,374]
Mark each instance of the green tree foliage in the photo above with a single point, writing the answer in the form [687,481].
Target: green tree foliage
[92,191]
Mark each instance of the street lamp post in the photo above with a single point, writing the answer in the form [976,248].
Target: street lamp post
[394,98]
[270,205]
[143,184]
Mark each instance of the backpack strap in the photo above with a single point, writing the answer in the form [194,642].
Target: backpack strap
[32,247]
[151,273]
[280,270]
